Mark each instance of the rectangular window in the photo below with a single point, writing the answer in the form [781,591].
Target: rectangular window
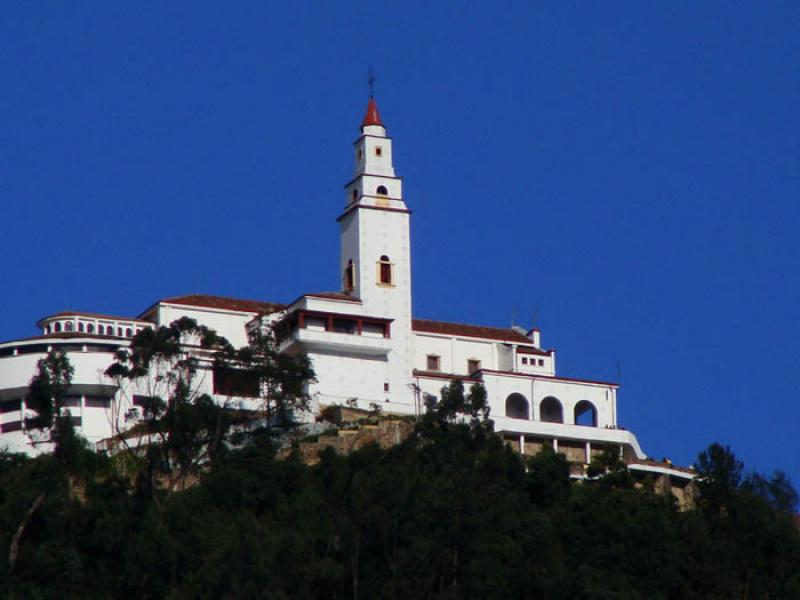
[68,347]
[11,406]
[236,382]
[32,349]
[541,362]
[33,423]
[378,151]
[344,326]
[100,401]
[71,401]
[101,347]
[145,401]
[385,387]
[473,365]
[524,361]
[13,426]
[434,362]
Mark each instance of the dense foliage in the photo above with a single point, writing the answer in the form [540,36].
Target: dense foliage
[450,513]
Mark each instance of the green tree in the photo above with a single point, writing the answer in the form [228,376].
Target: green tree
[181,428]
[48,389]
[777,490]
[719,476]
[282,379]
[454,406]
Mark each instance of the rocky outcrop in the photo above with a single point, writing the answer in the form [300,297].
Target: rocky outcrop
[385,432]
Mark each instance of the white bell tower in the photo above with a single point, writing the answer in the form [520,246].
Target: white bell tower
[375,258]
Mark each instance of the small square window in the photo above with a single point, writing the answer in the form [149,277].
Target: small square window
[473,365]
[434,362]
[541,362]
[524,360]
[73,401]
[378,151]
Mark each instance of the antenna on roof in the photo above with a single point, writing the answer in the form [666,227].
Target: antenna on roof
[514,312]
[535,317]
[619,372]
[371,82]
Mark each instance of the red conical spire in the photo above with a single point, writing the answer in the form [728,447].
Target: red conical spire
[372,117]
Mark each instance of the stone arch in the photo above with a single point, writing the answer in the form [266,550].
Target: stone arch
[517,407]
[551,410]
[585,414]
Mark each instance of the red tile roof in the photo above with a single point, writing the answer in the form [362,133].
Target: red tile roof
[477,331]
[334,296]
[533,350]
[224,303]
[372,117]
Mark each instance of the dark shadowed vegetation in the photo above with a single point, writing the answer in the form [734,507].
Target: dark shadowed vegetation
[450,513]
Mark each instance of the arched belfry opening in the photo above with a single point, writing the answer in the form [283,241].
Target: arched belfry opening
[382,191]
[517,407]
[551,411]
[385,271]
[585,414]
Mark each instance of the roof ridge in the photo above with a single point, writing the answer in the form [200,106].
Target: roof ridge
[467,329]
[222,302]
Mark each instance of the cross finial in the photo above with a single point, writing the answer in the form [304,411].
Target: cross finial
[371,82]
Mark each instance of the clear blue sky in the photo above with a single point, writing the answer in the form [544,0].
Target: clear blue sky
[628,172]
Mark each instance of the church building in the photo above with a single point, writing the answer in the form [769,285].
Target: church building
[365,345]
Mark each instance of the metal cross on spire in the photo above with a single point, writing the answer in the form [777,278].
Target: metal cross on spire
[371,82]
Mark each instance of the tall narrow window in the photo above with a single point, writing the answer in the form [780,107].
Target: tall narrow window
[385,270]
[349,276]
[68,326]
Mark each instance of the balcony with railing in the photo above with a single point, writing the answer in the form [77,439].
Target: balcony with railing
[346,333]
